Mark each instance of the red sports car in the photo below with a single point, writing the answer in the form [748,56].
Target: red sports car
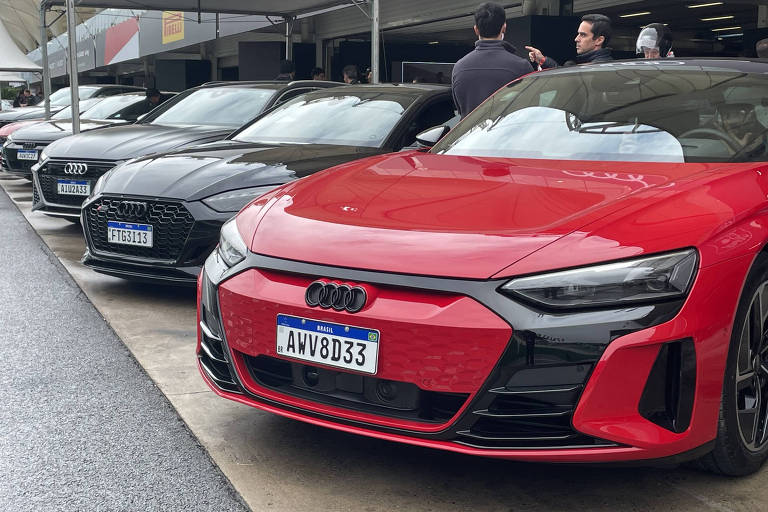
[577,272]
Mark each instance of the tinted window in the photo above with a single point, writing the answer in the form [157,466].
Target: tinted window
[621,114]
[220,106]
[84,105]
[112,107]
[436,113]
[339,118]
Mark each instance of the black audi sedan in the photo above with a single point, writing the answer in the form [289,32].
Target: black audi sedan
[158,217]
[69,167]
[62,98]
[23,146]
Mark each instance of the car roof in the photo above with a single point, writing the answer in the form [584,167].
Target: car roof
[272,84]
[726,64]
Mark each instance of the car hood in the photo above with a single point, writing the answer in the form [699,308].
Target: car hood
[200,172]
[12,127]
[48,131]
[131,141]
[467,217]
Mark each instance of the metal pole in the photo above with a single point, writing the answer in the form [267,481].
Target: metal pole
[289,37]
[375,31]
[73,83]
[46,71]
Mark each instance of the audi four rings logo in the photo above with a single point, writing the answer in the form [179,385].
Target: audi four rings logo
[131,208]
[75,168]
[337,296]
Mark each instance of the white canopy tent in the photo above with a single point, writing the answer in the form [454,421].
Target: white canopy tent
[287,9]
[12,58]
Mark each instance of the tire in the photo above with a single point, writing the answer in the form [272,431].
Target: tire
[736,452]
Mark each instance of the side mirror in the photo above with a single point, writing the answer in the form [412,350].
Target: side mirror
[142,116]
[430,136]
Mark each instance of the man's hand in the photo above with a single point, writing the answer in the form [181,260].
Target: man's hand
[535,54]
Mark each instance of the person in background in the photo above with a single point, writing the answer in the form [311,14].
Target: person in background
[490,65]
[318,74]
[24,99]
[153,98]
[286,71]
[592,39]
[350,74]
[655,42]
[762,48]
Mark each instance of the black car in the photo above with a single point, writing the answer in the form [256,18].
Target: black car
[61,99]
[23,146]
[69,167]
[157,218]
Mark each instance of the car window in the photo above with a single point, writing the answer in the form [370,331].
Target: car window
[61,98]
[627,115]
[112,107]
[219,106]
[328,117]
[435,113]
[84,105]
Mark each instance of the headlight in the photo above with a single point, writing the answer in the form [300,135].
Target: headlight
[99,186]
[232,248]
[43,156]
[234,200]
[648,279]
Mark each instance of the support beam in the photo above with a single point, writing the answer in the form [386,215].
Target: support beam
[46,71]
[289,21]
[375,33]
[72,50]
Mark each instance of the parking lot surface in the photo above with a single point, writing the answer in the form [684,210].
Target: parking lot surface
[274,463]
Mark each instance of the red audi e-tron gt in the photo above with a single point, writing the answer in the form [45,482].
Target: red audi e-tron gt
[577,272]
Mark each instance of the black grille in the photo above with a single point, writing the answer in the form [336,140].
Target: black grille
[171,224]
[12,162]
[213,355]
[53,171]
[526,414]
[352,391]
[35,194]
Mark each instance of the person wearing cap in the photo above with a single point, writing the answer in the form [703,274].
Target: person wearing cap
[655,42]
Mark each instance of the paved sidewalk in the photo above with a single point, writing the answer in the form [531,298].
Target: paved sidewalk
[82,427]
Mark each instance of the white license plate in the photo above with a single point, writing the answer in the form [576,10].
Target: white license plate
[127,233]
[74,187]
[27,154]
[341,346]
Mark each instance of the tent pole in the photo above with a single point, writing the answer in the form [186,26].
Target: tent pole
[73,83]
[289,21]
[46,71]
[375,31]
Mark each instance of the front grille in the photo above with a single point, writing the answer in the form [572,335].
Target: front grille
[12,162]
[525,413]
[171,224]
[353,391]
[53,171]
[35,194]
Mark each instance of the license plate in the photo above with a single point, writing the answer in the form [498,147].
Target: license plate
[341,346]
[74,187]
[27,154]
[127,233]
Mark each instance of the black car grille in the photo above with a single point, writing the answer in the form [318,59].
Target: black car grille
[352,391]
[526,414]
[171,224]
[11,161]
[35,194]
[53,171]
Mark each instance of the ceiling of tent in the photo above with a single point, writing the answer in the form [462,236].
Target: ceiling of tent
[13,59]
[22,17]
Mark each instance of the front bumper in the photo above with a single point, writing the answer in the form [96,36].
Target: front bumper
[530,385]
[13,165]
[184,240]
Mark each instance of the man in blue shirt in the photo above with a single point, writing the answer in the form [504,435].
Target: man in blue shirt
[491,65]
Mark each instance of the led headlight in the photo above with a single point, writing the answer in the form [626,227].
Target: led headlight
[232,248]
[234,200]
[642,280]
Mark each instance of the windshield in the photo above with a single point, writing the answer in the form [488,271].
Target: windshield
[645,115]
[84,106]
[62,97]
[112,107]
[338,118]
[220,106]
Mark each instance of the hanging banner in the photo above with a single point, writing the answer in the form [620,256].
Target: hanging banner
[173,26]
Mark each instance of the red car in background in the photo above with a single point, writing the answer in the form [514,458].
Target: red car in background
[577,272]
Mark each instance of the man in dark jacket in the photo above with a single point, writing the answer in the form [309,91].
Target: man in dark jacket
[490,65]
[591,43]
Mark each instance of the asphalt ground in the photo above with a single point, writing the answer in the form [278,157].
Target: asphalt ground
[82,426]
[277,464]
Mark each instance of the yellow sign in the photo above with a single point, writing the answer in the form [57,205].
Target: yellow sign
[173,26]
